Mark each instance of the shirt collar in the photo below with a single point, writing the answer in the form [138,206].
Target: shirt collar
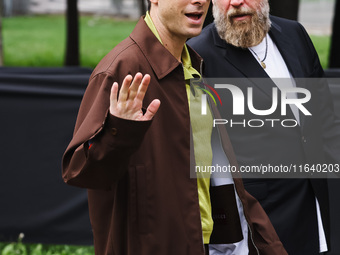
[189,71]
[151,25]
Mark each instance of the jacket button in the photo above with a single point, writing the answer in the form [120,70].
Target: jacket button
[114,131]
[304,139]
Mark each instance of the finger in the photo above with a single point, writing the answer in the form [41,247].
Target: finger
[143,87]
[114,93]
[124,90]
[135,85]
[113,97]
[152,109]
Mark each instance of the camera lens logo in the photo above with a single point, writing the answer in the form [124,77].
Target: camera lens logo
[204,98]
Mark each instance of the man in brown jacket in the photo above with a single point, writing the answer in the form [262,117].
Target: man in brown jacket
[136,163]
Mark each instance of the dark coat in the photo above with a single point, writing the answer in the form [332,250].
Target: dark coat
[290,203]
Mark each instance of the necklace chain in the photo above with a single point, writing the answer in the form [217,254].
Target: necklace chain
[265,55]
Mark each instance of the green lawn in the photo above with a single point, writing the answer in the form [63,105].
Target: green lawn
[40,40]
[322,45]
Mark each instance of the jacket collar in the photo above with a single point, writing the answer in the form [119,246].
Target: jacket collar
[159,58]
[287,50]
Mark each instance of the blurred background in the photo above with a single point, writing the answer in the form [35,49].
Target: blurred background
[81,32]
[48,49]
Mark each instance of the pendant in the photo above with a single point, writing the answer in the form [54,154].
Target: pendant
[263,65]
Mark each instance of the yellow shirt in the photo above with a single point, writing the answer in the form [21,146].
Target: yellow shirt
[201,130]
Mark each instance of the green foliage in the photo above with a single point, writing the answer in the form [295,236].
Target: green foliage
[20,248]
[40,249]
[15,248]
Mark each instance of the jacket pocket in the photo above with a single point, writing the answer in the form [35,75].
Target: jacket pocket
[227,225]
[138,197]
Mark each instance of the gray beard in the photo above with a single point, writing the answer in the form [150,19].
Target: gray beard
[247,33]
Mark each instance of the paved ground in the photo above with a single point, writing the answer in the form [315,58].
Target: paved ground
[315,15]
[99,7]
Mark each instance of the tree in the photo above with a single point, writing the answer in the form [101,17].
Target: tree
[19,7]
[72,36]
[1,50]
[334,55]
[288,9]
[142,7]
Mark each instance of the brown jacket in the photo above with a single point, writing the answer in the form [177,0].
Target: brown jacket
[141,197]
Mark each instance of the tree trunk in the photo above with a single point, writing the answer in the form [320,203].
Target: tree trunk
[19,7]
[142,7]
[288,9]
[1,48]
[334,55]
[72,36]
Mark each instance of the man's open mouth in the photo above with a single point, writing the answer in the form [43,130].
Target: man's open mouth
[195,16]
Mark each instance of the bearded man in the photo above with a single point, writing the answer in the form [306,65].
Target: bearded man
[246,42]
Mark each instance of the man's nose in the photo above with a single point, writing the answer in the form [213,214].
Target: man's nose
[236,3]
[200,2]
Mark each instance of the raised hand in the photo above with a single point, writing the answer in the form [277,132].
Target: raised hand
[128,105]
